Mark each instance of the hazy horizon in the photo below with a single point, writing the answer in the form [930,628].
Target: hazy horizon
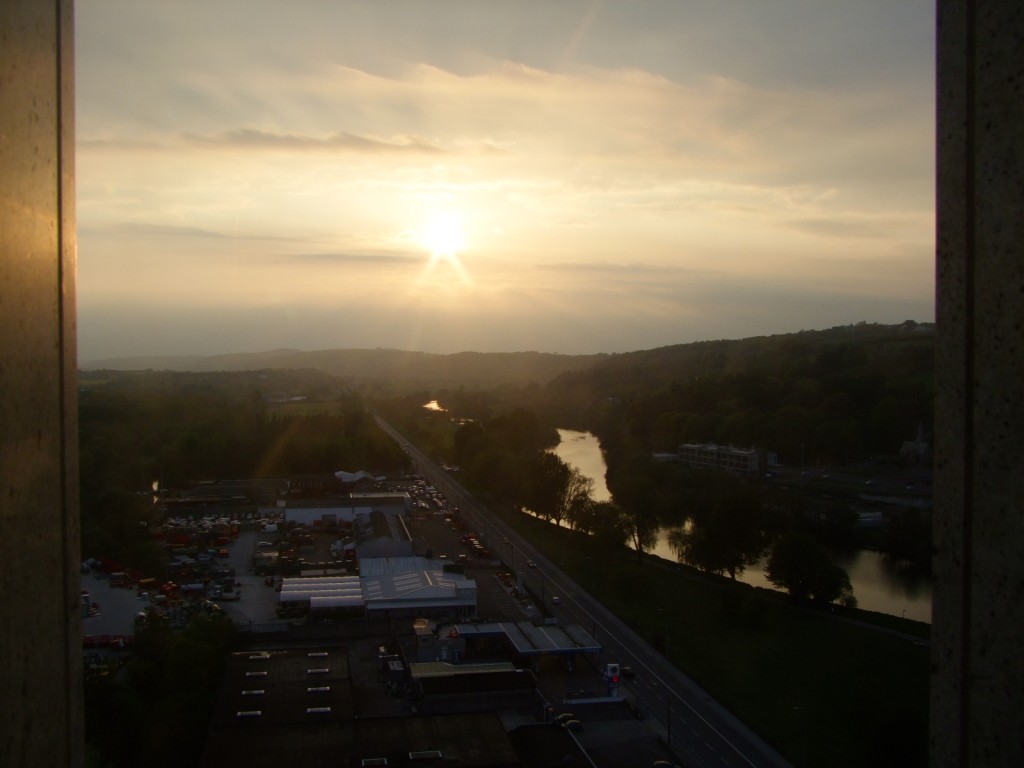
[299,351]
[580,177]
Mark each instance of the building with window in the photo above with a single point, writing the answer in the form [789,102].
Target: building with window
[746,461]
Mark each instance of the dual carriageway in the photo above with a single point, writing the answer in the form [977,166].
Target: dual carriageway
[696,727]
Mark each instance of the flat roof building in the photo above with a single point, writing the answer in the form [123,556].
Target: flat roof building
[296,708]
[390,587]
[723,457]
[433,592]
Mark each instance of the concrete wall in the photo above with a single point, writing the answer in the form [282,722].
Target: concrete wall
[977,715]
[40,638]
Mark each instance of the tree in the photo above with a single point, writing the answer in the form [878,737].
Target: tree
[157,712]
[636,495]
[467,440]
[548,479]
[726,537]
[608,524]
[803,568]
[556,489]
[577,494]
[581,510]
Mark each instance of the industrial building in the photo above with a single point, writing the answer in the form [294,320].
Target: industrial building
[387,587]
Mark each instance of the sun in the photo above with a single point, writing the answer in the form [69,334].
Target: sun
[442,235]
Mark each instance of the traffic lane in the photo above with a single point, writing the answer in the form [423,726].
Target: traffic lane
[696,719]
[703,736]
[693,738]
[727,740]
[706,736]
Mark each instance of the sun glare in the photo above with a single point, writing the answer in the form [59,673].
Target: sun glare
[442,235]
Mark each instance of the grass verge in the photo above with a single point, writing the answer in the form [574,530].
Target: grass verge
[843,688]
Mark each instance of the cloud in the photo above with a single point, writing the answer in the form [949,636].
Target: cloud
[604,267]
[613,169]
[154,232]
[247,138]
[119,145]
[351,258]
[147,229]
[836,228]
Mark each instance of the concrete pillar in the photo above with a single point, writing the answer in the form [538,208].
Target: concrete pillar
[977,692]
[40,626]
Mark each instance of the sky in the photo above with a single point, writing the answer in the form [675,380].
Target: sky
[576,176]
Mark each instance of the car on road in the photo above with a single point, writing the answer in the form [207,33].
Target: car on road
[555,600]
[531,564]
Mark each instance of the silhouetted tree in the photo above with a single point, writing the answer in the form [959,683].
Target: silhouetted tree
[607,523]
[803,568]
[728,535]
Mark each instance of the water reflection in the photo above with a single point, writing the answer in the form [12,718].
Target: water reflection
[583,451]
[878,583]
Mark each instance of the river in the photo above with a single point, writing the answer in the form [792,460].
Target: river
[877,584]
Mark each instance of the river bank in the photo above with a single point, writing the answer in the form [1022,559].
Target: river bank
[825,687]
[878,584]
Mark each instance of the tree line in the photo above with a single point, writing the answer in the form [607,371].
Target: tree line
[821,397]
[179,429]
[720,523]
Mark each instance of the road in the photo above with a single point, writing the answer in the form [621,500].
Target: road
[697,728]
